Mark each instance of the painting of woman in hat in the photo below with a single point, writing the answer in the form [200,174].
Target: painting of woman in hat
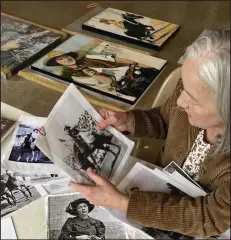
[81,226]
[103,71]
[95,70]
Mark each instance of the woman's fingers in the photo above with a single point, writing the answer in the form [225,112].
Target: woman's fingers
[107,122]
[96,178]
[84,189]
[104,112]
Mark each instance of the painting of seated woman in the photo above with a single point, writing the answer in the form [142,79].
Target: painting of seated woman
[102,67]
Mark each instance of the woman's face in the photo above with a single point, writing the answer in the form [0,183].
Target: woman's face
[82,209]
[197,100]
[65,60]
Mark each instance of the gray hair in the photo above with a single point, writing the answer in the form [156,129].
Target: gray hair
[214,70]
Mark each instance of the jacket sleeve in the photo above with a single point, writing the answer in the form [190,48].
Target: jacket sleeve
[154,122]
[199,217]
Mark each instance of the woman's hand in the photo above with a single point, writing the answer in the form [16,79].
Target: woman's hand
[103,193]
[122,121]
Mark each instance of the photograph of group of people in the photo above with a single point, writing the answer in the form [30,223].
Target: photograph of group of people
[15,192]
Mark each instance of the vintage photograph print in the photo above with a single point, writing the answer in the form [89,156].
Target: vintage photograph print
[132,27]
[71,216]
[74,143]
[16,193]
[24,149]
[112,70]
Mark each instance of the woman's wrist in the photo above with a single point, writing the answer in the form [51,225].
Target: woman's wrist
[130,126]
[123,206]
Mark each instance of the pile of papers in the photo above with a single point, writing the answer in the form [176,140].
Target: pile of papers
[43,154]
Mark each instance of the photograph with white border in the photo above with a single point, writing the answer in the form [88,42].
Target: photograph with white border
[7,229]
[72,216]
[22,154]
[72,141]
[16,193]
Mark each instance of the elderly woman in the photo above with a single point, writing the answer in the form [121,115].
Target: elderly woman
[195,122]
[82,226]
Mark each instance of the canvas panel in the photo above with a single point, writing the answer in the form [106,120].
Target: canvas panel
[103,67]
[133,27]
[21,42]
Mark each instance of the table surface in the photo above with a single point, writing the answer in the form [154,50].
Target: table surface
[192,16]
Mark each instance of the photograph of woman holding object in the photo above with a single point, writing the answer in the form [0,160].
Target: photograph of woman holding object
[197,118]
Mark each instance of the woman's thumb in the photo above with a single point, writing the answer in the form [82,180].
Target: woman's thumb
[105,123]
[96,178]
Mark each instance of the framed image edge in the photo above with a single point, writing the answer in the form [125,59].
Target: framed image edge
[62,33]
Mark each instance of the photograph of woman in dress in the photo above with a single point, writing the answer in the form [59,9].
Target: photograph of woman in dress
[81,226]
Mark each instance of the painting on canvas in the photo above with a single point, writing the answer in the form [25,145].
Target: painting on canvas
[103,67]
[20,41]
[131,27]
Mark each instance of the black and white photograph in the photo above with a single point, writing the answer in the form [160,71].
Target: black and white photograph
[71,216]
[24,149]
[16,193]
[23,155]
[142,178]
[76,145]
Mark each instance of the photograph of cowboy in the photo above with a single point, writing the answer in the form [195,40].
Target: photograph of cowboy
[24,148]
[89,146]
[100,66]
